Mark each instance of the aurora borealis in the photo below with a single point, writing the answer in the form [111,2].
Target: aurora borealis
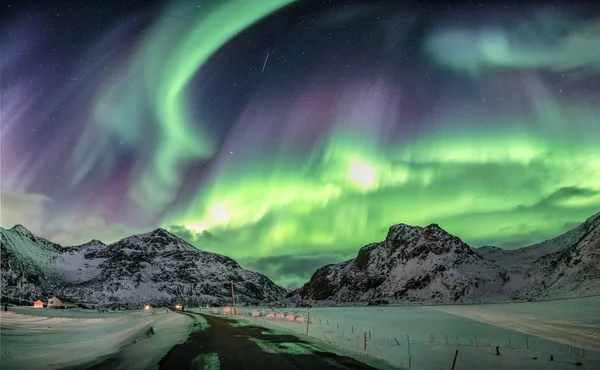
[123,117]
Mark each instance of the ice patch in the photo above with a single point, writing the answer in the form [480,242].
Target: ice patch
[206,361]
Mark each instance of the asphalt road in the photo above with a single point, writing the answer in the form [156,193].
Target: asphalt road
[224,345]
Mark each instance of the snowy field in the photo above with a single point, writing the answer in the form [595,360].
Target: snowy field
[527,334]
[41,338]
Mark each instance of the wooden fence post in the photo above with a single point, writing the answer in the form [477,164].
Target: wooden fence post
[409,355]
[454,362]
[365,341]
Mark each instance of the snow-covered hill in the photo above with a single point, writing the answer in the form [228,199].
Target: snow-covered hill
[429,265]
[562,267]
[26,267]
[413,264]
[157,268]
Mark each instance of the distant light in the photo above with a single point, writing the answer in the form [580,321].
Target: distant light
[147,307]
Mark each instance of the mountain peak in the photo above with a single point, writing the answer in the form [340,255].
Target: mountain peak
[160,232]
[156,240]
[156,233]
[155,268]
[93,242]
[434,227]
[21,229]
[420,241]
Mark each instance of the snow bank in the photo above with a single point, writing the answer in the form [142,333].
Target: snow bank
[170,330]
[68,338]
[435,333]
[567,322]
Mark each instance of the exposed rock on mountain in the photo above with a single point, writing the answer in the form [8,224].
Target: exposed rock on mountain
[562,267]
[412,264]
[157,268]
[429,265]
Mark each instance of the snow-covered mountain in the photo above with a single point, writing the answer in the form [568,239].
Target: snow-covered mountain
[429,265]
[562,267]
[26,264]
[412,264]
[157,268]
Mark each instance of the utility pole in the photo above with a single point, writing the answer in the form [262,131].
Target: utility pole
[308,318]
[233,298]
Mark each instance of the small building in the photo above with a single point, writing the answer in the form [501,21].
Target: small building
[38,304]
[60,302]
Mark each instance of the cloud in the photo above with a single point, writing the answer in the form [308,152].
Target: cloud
[22,208]
[567,193]
[201,239]
[30,210]
[289,270]
[73,232]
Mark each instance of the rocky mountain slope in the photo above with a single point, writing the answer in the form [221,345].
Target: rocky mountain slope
[428,265]
[562,267]
[26,264]
[157,268]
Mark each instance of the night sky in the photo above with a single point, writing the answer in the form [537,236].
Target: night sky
[287,134]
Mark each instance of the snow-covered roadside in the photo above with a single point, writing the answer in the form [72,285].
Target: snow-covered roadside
[55,342]
[170,330]
[76,313]
[570,322]
[435,335]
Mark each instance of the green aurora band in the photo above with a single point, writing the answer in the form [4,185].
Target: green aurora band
[486,176]
[160,71]
[490,177]
[485,186]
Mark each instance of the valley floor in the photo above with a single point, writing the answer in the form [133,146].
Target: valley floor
[89,340]
[526,334]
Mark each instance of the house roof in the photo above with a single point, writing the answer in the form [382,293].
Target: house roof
[65,300]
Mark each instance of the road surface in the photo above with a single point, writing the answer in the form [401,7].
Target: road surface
[224,345]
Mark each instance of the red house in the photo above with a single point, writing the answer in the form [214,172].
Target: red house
[38,304]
